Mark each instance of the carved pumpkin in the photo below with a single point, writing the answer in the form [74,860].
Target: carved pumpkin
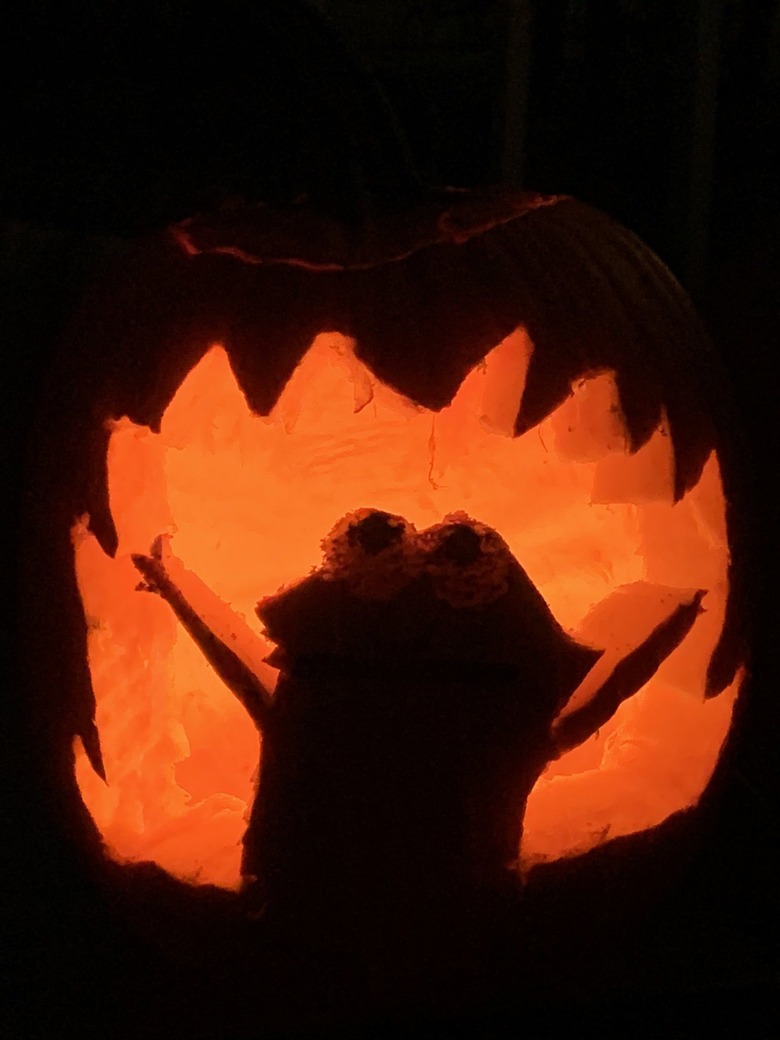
[515,372]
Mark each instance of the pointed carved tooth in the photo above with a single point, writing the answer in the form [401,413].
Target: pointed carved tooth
[487,401]
[90,741]
[456,426]
[332,381]
[645,476]
[503,382]
[362,383]
[588,425]
[136,486]
[209,389]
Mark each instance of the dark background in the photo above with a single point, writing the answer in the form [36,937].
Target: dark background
[118,118]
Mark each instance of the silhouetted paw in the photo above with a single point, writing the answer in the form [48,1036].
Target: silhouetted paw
[151,567]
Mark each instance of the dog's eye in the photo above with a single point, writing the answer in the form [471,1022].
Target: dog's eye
[459,544]
[375,532]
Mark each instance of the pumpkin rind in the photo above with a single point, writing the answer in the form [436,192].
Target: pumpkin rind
[422,312]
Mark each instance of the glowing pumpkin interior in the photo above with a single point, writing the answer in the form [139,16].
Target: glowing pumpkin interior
[247,501]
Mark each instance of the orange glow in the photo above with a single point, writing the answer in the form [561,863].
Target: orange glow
[247,500]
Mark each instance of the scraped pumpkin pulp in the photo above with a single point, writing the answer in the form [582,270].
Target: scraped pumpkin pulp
[247,500]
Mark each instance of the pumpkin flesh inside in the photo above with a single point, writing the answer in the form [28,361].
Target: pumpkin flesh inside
[246,502]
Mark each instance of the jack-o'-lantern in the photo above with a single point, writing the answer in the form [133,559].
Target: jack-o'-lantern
[468,474]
